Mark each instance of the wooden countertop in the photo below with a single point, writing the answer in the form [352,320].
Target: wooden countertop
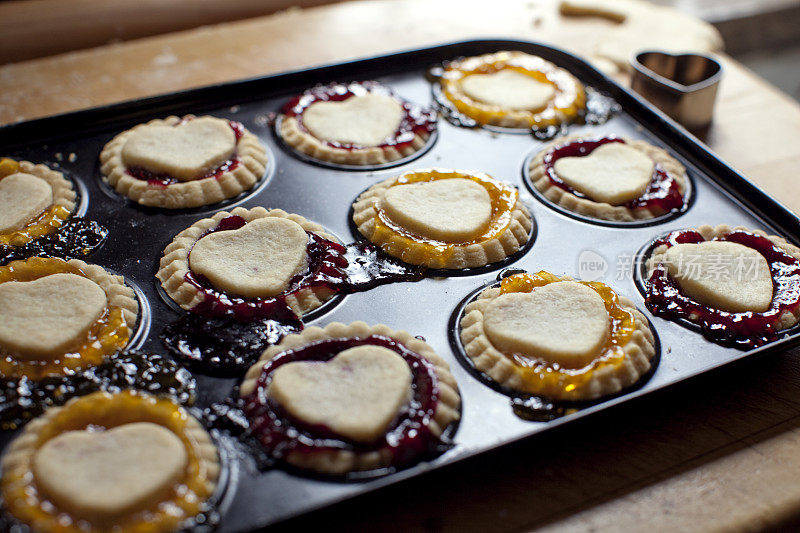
[719,453]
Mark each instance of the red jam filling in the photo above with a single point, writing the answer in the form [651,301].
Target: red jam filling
[164,180]
[662,195]
[407,440]
[741,330]
[416,120]
[326,264]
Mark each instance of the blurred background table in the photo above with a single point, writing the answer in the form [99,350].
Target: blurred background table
[719,453]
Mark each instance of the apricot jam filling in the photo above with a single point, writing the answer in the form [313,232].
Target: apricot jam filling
[399,242]
[43,224]
[549,379]
[101,411]
[566,105]
[108,335]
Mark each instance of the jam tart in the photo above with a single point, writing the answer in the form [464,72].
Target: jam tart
[121,462]
[250,256]
[184,162]
[441,218]
[512,90]
[610,178]
[360,123]
[740,286]
[59,316]
[34,201]
[557,338]
[349,398]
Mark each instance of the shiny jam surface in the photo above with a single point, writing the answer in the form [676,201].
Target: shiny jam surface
[415,121]
[76,238]
[407,440]
[568,102]
[548,379]
[101,411]
[740,330]
[415,249]
[43,224]
[155,179]
[662,195]
[107,336]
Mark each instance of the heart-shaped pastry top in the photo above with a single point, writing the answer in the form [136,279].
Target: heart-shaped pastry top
[43,318]
[564,322]
[365,120]
[613,173]
[450,210]
[357,394]
[255,261]
[102,476]
[22,197]
[509,89]
[722,275]
[187,151]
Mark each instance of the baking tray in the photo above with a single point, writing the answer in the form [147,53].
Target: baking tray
[430,308]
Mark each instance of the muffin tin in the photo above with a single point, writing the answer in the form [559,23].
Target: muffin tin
[562,244]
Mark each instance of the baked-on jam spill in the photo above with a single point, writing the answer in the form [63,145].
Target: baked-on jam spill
[538,409]
[661,195]
[22,399]
[163,180]
[75,239]
[740,330]
[416,120]
[228,333]
[408,439]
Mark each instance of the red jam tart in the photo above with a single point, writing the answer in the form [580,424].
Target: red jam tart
[512,90]
[360,123]
[34,201]
[741,287]
[444,218]
[557,338]
[350,398]
[252,263]
[183,162]
[124,462]
[610,178]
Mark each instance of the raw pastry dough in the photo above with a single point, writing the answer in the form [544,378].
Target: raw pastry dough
[356,394]
[31,326]
[509,89]
[613,173]
[22,198]
[365,120]
[186,151]
[255,261]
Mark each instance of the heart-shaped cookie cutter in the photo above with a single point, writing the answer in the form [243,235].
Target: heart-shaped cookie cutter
[683,86]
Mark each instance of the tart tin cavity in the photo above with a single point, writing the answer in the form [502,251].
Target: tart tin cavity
[138,236]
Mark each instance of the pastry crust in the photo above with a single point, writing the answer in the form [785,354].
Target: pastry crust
[638,353]
[299,138]
[17,463]
[252,158]
[787,319]
[119,297]
[174,263]
[48,220]
[568,102]
[342,461]
[601,210]
[411,250]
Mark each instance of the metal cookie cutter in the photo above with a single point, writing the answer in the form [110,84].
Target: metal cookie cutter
[683,86]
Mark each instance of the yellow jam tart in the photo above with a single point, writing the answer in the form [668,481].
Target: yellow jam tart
[444,218]
[59,316]
[124,462]
[557,338]
[512,90]
[34,201]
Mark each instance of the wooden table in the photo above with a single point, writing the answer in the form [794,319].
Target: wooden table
[719,453]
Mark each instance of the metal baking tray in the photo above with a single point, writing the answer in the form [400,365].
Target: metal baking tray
[563,244]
